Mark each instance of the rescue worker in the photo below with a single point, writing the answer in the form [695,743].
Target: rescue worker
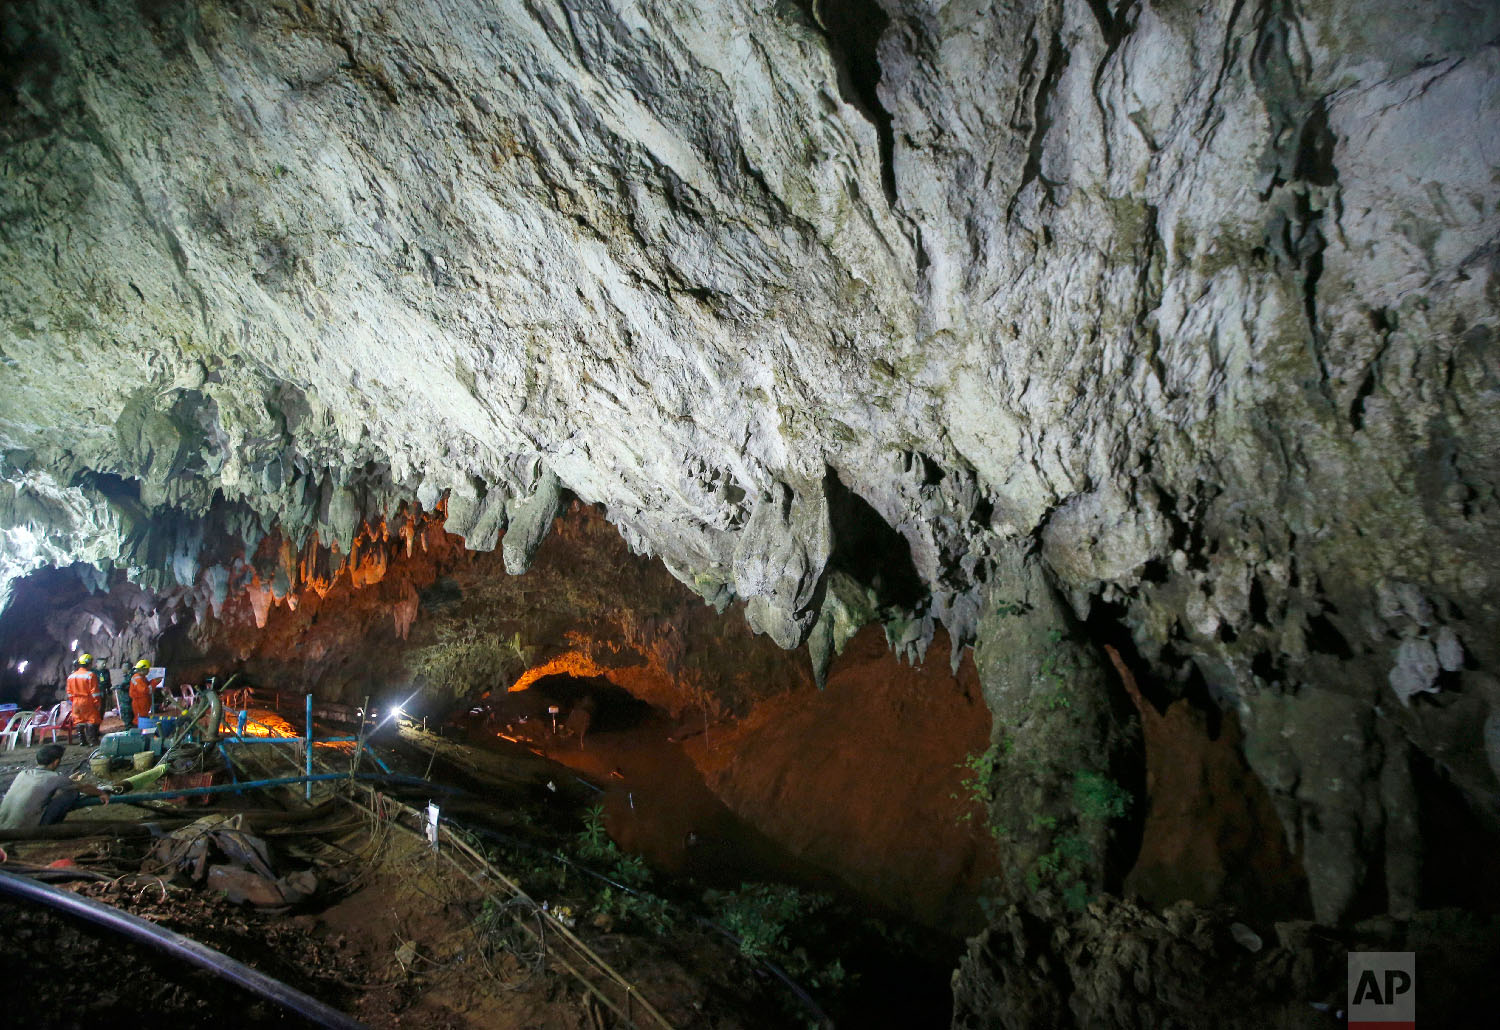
[140,691]
[41,796]
[88,708]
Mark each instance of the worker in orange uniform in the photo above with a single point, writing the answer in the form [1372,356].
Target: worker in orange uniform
[83,692]
[140,691]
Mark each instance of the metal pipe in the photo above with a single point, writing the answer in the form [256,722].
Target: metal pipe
[92,828]
[185,948]
[229,764]
[364,719]
[290,740]
[215,717]
[307,787]
[281,781]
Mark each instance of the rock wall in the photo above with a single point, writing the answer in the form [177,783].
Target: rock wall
[852,311]
[453,622]
[1118,965]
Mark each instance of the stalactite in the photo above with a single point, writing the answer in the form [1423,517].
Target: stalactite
[260,601]
[405,610]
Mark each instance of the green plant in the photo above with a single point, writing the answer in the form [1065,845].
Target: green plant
[629,871]
[632,870]
[758,914]
[1072,850]
[639,907]
[467,658]
[1052,675]
[541,873]
[831,976]
[981,783]
[1011,609]
[1098,798]
[1076,896]
[594,842]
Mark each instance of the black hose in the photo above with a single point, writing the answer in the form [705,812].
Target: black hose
[175,944]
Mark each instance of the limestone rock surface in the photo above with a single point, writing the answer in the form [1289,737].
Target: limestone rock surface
[1193,303]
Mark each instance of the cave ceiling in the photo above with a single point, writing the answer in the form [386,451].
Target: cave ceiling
[1192,307]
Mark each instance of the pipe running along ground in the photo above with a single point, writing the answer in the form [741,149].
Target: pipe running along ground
[185,948]
[281,781]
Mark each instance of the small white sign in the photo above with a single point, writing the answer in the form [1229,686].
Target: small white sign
[432,825]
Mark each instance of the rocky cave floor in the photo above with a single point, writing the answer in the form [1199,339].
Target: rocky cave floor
[391,937]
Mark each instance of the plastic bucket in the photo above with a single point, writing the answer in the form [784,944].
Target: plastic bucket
[142,760]
[99,767]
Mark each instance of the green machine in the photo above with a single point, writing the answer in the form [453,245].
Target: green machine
[127,743]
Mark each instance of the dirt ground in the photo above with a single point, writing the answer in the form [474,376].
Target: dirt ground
[391,938]
[77,977]
[395,946]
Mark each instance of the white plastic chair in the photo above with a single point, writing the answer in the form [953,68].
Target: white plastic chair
[49,721]
[14,728]
[189,695]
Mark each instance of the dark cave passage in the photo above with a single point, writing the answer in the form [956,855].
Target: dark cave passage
[588,705]
[790,790]
[647,772]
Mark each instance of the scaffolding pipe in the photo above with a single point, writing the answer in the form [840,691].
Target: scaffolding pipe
[289,740]
[280,781]
[215,718]
[307,787]
[185,948]
[229,764]
[364,719]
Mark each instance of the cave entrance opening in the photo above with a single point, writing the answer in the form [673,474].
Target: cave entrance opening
[656,802]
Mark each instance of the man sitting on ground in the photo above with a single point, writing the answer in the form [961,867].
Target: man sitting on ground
[41,796]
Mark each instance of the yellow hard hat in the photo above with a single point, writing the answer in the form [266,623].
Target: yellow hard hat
[85,658]
[143,664]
